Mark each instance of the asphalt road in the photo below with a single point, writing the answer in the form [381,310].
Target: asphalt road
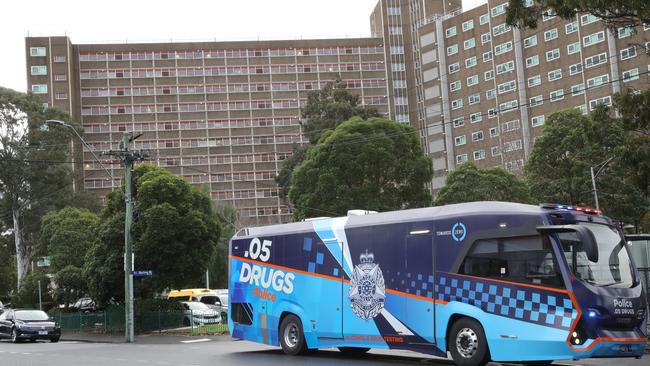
[213,351]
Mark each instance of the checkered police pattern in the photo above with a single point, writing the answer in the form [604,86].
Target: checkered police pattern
[530,304]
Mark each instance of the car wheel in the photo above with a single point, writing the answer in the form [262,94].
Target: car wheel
[353,351]
[467,343]
[14,335]
[54,340]
[291,334]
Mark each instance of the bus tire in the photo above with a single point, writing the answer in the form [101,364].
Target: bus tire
[353,351]
[292,338]
[467,343]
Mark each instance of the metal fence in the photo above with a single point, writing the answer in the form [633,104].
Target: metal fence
[111,320]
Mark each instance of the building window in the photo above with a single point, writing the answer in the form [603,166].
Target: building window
[60,77]
[506,87]
[534,80]
[397,66]
[575,69]
[624,32]
[37,51]
[472,80]
[548,15]
[61,95]
[477,136]
[536,100]
[460,140]
[39,70]
[454,67]
[470,62]
[474,98]
[573,48]
[588,19]
[479,155]
[491,94]
[458,122]
[462,158]
[450,32]
[505,67]
[557,95]
[468,25]
[455,104]
[508,106]
[401,101]
[492,112]
[485,38]
[503,48]
[571,27]
[532,61]
[59,59]
[498,10]
[475,117]
[500,29]
[512,145]
[483,19]
[396,30]
[578,89]
[593,38]
[494,132]
[399,84]
[510,126]
[397,50]
[553,54]
[628,53]
[454,86]
[452,50]
[530,41]
[39,88]
[470,43]
[489,75]
[537,121]
[630,75]
[596,102]
[487,56]
[394,10]
[598,81]
[596,60]
[555,75]
[550,34]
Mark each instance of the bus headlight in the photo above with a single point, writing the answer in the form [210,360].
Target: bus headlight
[578,335]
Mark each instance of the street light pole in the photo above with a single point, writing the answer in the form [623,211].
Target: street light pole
[593,178]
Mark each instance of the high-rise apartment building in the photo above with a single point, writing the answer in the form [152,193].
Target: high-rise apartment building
[222,115]
[225,114]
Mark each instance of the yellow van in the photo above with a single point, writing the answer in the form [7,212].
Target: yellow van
[190,294]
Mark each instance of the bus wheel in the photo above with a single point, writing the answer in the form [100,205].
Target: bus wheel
[353,351]
[292,338]
[467,343]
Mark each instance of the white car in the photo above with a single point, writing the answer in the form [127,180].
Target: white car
[198,313]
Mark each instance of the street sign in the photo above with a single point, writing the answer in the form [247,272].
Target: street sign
[142,273]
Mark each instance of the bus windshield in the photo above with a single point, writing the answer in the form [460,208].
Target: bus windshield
[613,268]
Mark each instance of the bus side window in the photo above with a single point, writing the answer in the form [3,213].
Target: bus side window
[524,259]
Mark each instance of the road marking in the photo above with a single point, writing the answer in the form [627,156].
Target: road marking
[197,340]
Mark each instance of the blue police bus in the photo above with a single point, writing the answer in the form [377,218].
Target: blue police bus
[476,281]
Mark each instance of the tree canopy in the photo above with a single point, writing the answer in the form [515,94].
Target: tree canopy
[615,13]
[468,183]
[175,234]
[374,164]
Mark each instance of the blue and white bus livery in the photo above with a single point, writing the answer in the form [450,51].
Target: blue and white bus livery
[483,281]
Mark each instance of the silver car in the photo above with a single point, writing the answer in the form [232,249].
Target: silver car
[198,313]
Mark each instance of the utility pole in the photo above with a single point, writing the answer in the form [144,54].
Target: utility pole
[600,167]
[128,157]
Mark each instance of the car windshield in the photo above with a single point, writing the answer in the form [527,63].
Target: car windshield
[197,306]
[29,315]
[210,300]
[613,268]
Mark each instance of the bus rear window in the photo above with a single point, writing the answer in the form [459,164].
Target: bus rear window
[524,259]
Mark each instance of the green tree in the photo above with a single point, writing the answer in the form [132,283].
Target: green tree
[175,234]
[374,164]
[219,262]
[325,109]
[635,152]
[468,183]
[558,168]
[615,13]
[27,295]
[7,265]
[66,236]
[31,180]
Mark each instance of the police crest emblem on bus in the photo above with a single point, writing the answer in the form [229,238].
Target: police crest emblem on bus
[367,288]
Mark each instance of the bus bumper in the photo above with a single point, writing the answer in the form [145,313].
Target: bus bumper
[606,348]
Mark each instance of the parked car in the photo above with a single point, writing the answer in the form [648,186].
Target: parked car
[85,304]
[215,299]
[198,313]
[19,324]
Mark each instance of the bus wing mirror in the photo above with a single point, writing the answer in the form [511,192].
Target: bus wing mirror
[585,236]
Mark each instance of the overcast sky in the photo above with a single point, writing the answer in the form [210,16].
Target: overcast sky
[146,20]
